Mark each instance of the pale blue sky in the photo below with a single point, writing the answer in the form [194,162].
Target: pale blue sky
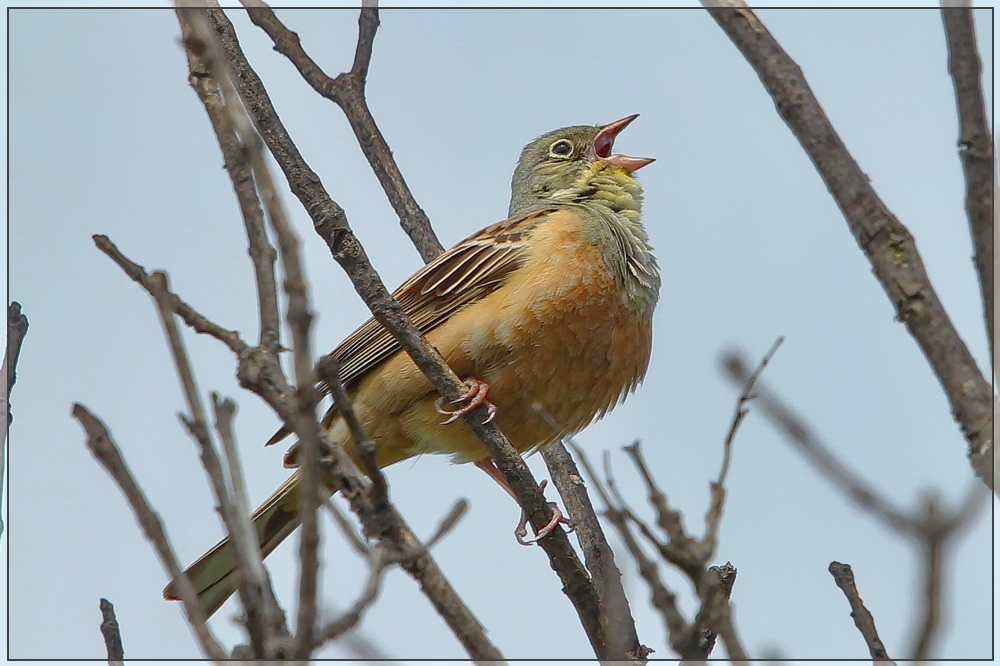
[106,137]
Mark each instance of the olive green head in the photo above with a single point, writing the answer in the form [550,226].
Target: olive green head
[553,163]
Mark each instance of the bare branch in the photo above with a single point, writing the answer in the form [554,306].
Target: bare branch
[930,526]
[17,328]
[886,243]
[106,451]
[367,27]
[348,92]
[663,600]
[330,223]
[975,145]
[843,575]
[261,373]
[243,149]
[112,634]
[598,556]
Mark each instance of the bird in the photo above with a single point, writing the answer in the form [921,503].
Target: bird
[546,316]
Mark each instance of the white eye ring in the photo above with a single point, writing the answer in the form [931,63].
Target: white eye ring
[561,149]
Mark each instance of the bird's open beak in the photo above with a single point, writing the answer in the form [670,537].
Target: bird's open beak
[604,143]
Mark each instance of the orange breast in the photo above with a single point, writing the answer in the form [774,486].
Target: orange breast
[558,334]
[575,348]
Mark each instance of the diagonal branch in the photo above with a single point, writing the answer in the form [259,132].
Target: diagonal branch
[330,222]
[975,145]
[598,555]
[843,575]
[615,614]
[888,244]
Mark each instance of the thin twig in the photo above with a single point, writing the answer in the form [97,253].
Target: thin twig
[107,453]
[681,549]
[329,372]
[936,529]
[362,646]
[112,634]
[885,241]
[448,523]
[694,640]
[275,637]
[843,576]
[714,516]
[378,564]
[975,144]
[346,528]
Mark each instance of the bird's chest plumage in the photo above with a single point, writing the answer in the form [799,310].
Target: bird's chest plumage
[561,334]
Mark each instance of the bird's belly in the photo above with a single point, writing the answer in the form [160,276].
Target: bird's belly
[557,346]
[581,352]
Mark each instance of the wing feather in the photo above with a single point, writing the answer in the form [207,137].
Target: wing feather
[452,281]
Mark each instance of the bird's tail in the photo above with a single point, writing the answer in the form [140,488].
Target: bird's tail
[214,574]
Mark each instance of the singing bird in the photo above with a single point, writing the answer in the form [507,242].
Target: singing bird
[546,315]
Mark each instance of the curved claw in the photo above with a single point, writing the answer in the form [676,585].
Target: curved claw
[521,531]
[475,397]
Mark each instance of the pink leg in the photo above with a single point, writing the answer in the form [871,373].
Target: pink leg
[521,531]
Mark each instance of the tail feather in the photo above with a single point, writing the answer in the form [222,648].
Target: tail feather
[214,574]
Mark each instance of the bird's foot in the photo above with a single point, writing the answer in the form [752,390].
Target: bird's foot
[558,518]
[475,397]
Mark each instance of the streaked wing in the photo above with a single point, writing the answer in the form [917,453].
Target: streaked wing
[453,280]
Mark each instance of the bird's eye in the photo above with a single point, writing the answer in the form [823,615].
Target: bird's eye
[561,148]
